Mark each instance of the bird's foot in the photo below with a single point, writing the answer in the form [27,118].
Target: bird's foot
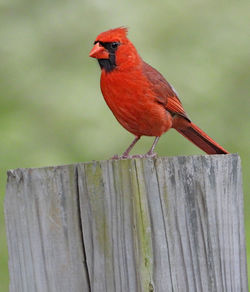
[147,155]
[137,156]
[117,157]
[150,155]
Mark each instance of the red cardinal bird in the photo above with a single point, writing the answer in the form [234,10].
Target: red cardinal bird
[142,101]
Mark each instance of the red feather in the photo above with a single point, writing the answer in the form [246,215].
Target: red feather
[140,97]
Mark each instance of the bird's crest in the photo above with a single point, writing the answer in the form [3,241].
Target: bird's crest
[113,35]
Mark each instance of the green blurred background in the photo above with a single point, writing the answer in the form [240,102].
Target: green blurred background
[51,108]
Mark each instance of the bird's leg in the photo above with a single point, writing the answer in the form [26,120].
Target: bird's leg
[125,154]
[151,152]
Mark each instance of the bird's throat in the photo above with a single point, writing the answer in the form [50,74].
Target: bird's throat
[108,64]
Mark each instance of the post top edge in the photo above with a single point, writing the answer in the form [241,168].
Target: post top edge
[13,172]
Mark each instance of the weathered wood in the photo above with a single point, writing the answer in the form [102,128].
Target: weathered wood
[169,224]
[43,230]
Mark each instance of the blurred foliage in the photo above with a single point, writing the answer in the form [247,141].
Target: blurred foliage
[51,108]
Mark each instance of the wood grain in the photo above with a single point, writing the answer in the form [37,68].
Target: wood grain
[43,230]
[165,224]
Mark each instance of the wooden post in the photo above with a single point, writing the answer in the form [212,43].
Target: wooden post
[165,224]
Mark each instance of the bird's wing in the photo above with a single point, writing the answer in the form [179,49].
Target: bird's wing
[165,94]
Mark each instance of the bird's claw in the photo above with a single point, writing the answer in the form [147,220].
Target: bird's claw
[115,157]
[147,155]
[118,157]
[136,156]
[150,155]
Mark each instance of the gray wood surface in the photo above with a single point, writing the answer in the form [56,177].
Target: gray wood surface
[43,230]
[165,224]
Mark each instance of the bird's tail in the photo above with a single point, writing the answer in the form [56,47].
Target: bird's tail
[201,139]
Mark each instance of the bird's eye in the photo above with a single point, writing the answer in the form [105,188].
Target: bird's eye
[114,45]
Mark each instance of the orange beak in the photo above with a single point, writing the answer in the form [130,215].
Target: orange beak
[99,52]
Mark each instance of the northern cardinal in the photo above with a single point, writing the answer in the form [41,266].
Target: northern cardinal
[141,99]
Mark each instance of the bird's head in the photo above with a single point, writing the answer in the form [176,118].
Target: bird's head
[113,50]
